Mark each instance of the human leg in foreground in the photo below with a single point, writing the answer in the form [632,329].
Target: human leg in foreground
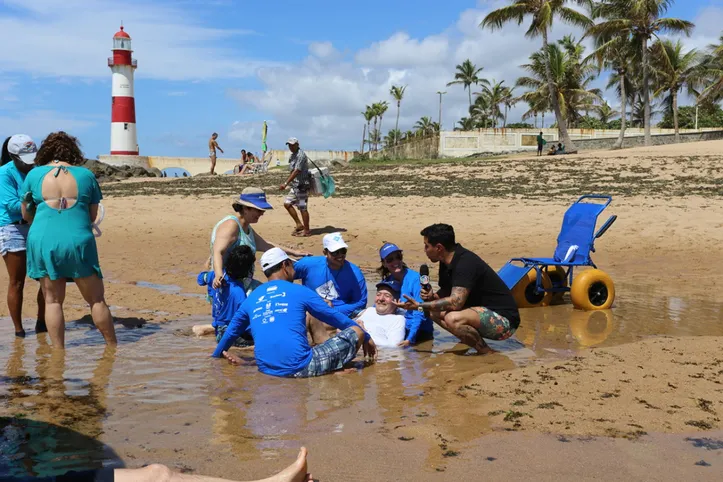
[15,263]
[474,324]
[93,291]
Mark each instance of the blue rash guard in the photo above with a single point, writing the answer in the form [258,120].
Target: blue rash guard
[415,320]
[346,287]
[276,312]
[11,183]
[225,301]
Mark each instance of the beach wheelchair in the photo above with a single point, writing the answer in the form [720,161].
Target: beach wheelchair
[544,281]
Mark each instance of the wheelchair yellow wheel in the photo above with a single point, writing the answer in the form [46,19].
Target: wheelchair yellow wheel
[591,328]
[592,290]
[559,279]
[524,291]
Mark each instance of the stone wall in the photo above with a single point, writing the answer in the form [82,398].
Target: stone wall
[639,141]
[425,148]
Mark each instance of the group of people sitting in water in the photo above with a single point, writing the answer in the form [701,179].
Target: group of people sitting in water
[318,326]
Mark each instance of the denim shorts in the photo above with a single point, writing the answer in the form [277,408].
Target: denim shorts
[331,355]
[12,238]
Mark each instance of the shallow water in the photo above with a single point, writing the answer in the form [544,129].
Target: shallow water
[158,396]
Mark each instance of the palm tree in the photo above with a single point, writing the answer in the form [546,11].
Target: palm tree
[618,55]
[542,12]
[465,124]
[711,67]
[605,112]
[494,94]
[673,69]
[392,138]
[479,112]
[375,137]
[368,116]
[425,126]
[467,74]
[382,107]
[642,20]
[397,92]
[509,100]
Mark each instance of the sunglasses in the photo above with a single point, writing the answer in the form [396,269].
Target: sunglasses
[393,257]
[338,253]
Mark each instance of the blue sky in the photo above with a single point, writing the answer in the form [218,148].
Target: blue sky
[308,68]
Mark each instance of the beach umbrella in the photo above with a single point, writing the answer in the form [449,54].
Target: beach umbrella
[264,132]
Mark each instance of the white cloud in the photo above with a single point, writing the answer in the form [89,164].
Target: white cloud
[323,50]
[400,50]
[73,38]
[38,123]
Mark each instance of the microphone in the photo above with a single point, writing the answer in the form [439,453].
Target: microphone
[424,277]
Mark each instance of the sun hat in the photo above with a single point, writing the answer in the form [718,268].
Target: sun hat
[272,257]
[393,285]
[292,140]
[22,147]
[253,197]
[388,249]
[334,242]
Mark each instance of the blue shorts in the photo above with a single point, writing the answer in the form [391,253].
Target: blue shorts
[331,355]
[242,341]
[12,238]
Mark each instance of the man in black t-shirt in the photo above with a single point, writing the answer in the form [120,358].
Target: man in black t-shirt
[472,302]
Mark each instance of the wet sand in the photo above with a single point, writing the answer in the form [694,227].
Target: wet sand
[433,412]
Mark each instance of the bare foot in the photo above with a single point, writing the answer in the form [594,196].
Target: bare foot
[203,330]
[232,359]
[470,337]
[296,472]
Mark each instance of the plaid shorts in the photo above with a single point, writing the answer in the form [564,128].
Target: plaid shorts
[242,341]
[298,198]
[331,355]
[492,325]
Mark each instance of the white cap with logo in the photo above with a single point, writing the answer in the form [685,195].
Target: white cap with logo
[23,148]
[292,141]
[272,257]
[334,242]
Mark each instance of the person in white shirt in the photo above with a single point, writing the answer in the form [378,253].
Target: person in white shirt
[384,321]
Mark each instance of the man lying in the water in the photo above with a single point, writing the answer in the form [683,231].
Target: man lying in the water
[237,284]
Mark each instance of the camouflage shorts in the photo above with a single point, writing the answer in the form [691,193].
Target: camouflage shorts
[493,326]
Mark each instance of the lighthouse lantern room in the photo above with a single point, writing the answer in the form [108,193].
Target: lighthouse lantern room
[123,137]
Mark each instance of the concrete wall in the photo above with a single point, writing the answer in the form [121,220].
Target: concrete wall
[198,165]
[426,148]
[657,140]
[500,141]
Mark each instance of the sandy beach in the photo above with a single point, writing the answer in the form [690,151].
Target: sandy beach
[652,366]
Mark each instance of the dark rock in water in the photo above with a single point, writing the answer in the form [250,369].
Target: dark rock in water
[107,173]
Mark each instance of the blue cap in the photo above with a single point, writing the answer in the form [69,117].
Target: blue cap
[388,249]
[395,285]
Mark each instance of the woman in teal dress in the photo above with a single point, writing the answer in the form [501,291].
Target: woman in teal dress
[62,203]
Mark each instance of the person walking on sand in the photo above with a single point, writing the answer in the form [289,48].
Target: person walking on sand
[540,143]
[276,312]
[61,206]
[19,151]
[472,302]
[212,146]
[300,181]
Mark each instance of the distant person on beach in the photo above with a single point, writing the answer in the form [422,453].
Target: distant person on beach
[228,298]
[276,312]
[540,143]
[300,181]
[472,302]
[235,230]
[419,326]
[338,282]
[384,321]
[18,158]
[212,146]
[61,205]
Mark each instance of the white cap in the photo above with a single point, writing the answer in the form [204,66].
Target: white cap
[272,257]
[292,140]
[334,242]
[23,148]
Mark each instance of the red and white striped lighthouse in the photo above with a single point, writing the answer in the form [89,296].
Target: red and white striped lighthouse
[123,137]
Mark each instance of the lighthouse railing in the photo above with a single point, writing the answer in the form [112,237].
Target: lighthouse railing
[111,63]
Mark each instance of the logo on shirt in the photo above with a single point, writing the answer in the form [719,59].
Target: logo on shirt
[280,295]
[271,288]
[328,291]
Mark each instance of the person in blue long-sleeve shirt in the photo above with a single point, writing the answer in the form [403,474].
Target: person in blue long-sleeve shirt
[18,158]
[276,313]
[337,281]
[419,326]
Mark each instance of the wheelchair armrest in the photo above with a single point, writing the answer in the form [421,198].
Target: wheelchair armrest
[606,226]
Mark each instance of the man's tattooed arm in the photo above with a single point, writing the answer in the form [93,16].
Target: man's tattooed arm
[454,302]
